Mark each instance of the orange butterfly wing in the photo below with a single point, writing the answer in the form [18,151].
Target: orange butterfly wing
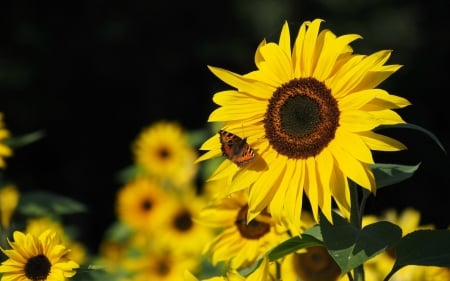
[235,148]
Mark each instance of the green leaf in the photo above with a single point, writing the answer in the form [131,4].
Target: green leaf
[417,128]
[389,174]
[41,203]
[423,247]
[18,141]
[118,232]
[351,247]
[293,244]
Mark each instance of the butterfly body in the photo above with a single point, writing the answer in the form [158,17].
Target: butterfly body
[235,148]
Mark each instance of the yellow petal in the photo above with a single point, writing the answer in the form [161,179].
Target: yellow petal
[331,50]
[311,51]
[353,145]
[381,143]
[358,172]
[243,84]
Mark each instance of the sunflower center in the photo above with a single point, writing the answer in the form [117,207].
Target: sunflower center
[162,267]
[254,229]
[163,153]
[37,268]
[316,264]
[183,221]
[146,204]
[301,118]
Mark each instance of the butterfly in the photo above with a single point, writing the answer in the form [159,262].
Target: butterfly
[235,148]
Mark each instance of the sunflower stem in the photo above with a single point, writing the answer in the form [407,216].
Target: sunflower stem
[356,210]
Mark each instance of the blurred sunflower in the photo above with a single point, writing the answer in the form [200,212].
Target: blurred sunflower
[163,151]
[5,150]
[265,272]
[239,242]
[314,264]
[37,258]
[308,113]
[230,276]
[180,232]
[379,266]
[9,197]
[160,264]
[141,204]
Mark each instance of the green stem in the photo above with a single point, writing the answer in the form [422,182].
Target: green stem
[356,211]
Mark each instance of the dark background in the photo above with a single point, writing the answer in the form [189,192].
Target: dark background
[92,74]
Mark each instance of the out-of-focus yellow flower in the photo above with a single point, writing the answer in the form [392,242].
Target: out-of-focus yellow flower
[180,232]
[141,204]
[5,151]
[159,264]
[314,264]
[163,151]
[9,197]
[378,267]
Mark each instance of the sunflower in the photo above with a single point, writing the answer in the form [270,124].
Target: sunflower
[308,113]
[5,150]
[160,264]
[35,226]
[314,264]
[141,204]
[37,258]
[230,276]
[180,232]
[239,242]
[408,220]
[163,151]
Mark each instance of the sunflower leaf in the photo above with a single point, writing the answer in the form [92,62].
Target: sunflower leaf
[41,203]
[423,248]
[293,244]
[417,128]
[389,174]
[350,246]
[23,140]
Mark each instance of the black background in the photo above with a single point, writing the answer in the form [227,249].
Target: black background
[91,74]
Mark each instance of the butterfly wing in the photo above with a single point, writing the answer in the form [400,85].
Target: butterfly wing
[236,148]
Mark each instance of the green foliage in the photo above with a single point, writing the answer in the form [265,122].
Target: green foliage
[351,246]
[423,247]
[41,203]
[417,128]
[390,174]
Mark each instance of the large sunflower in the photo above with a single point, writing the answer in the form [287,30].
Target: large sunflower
[308,113]
[37,258]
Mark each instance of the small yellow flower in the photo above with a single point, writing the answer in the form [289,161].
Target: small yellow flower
[308,112]
[141,204]
[5,151]
[163,151]
[180,232]
[37,258]
[9,197]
